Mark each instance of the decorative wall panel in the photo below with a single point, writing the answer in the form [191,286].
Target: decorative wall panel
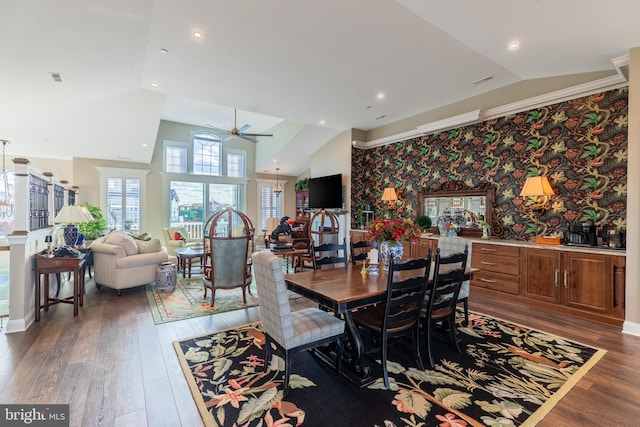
[581,145]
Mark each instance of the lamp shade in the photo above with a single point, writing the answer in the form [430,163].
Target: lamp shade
[73,213]
[389,195]
[537,186]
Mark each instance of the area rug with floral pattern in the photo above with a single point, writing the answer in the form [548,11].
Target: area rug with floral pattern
[506,375]
[188,300]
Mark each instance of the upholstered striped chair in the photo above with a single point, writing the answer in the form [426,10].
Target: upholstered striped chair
[292,331]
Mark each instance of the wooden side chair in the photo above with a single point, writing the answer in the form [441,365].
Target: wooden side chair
[293,331]
[228,240]
[360,250]
[329,254]
[400,314]
[451,245]
[323,227]
[442,297]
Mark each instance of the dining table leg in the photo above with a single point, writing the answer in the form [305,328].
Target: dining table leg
[356,358]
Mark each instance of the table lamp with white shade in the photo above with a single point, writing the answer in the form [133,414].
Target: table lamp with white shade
[71,214]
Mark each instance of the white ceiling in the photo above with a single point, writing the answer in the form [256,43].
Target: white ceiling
[285,64]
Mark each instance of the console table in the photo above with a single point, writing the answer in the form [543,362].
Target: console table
[45,265]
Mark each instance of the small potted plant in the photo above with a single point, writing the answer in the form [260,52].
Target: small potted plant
[96,228]
[302,184]
[424,221]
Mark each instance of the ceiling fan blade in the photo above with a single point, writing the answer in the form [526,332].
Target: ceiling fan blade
[248,138]
[257,134]
[243,128]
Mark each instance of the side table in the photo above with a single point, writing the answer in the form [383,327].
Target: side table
[45,265]
[185,258]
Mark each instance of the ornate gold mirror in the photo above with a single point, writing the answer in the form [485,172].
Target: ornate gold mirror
[466,206]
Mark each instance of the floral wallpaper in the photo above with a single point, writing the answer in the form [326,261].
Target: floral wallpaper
[580,145]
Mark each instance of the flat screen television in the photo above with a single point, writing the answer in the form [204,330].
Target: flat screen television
[325,192]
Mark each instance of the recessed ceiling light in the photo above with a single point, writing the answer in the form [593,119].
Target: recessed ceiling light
[380,96]
[322,122]
[145,145]
[197,34]
[154,84]
[164,51]
[514,45]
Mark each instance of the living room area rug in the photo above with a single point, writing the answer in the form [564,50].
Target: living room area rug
[187,300]
[506,375]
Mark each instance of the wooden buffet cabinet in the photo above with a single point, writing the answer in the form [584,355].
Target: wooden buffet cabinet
[580,281]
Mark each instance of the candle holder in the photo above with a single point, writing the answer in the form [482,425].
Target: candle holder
[373,269]
[48,240]
[363,271]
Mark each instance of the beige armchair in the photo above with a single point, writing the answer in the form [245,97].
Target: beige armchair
[122,262]
[171,243]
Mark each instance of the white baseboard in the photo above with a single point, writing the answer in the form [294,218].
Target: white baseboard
[631,328]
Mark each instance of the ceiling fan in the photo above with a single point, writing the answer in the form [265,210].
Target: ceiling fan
[239,133]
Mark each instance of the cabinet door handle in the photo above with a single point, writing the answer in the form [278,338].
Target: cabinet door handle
[555,278]
[488,250]
[487,263]
[566,279]
[487,280]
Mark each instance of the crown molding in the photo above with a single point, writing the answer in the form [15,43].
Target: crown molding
[607,83]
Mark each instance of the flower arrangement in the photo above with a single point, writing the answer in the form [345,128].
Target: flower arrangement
[395,229]
[452,226]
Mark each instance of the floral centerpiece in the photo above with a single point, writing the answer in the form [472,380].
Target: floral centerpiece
[389,232]
[395,229]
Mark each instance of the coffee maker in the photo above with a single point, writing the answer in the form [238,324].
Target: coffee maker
[582,234]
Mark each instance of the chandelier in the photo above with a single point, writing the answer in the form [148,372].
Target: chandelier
[277,188]
[6,200]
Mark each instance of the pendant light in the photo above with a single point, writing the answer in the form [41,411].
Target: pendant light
[277,188]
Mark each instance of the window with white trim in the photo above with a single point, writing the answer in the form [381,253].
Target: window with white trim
[271,205]
[175,158]
[121,194]
[207,154]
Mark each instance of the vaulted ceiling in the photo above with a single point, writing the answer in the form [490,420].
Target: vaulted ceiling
[303,70]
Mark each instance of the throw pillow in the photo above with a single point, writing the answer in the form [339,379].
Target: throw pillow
[178,236]
[149,246]
[122,239]
[141,236]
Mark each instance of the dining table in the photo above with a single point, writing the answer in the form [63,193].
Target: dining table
[344,290]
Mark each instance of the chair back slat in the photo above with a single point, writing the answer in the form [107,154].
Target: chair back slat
[360,250]
[329,254]
[448,278]
[405,293]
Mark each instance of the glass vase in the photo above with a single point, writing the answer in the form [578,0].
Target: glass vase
[388,249]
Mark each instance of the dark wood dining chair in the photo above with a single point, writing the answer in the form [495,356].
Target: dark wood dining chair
[442,297]
[360,250]
[293,331]
[450,245]
[400,314]
[329,254]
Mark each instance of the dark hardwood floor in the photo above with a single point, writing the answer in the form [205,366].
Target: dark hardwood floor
[115,367]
